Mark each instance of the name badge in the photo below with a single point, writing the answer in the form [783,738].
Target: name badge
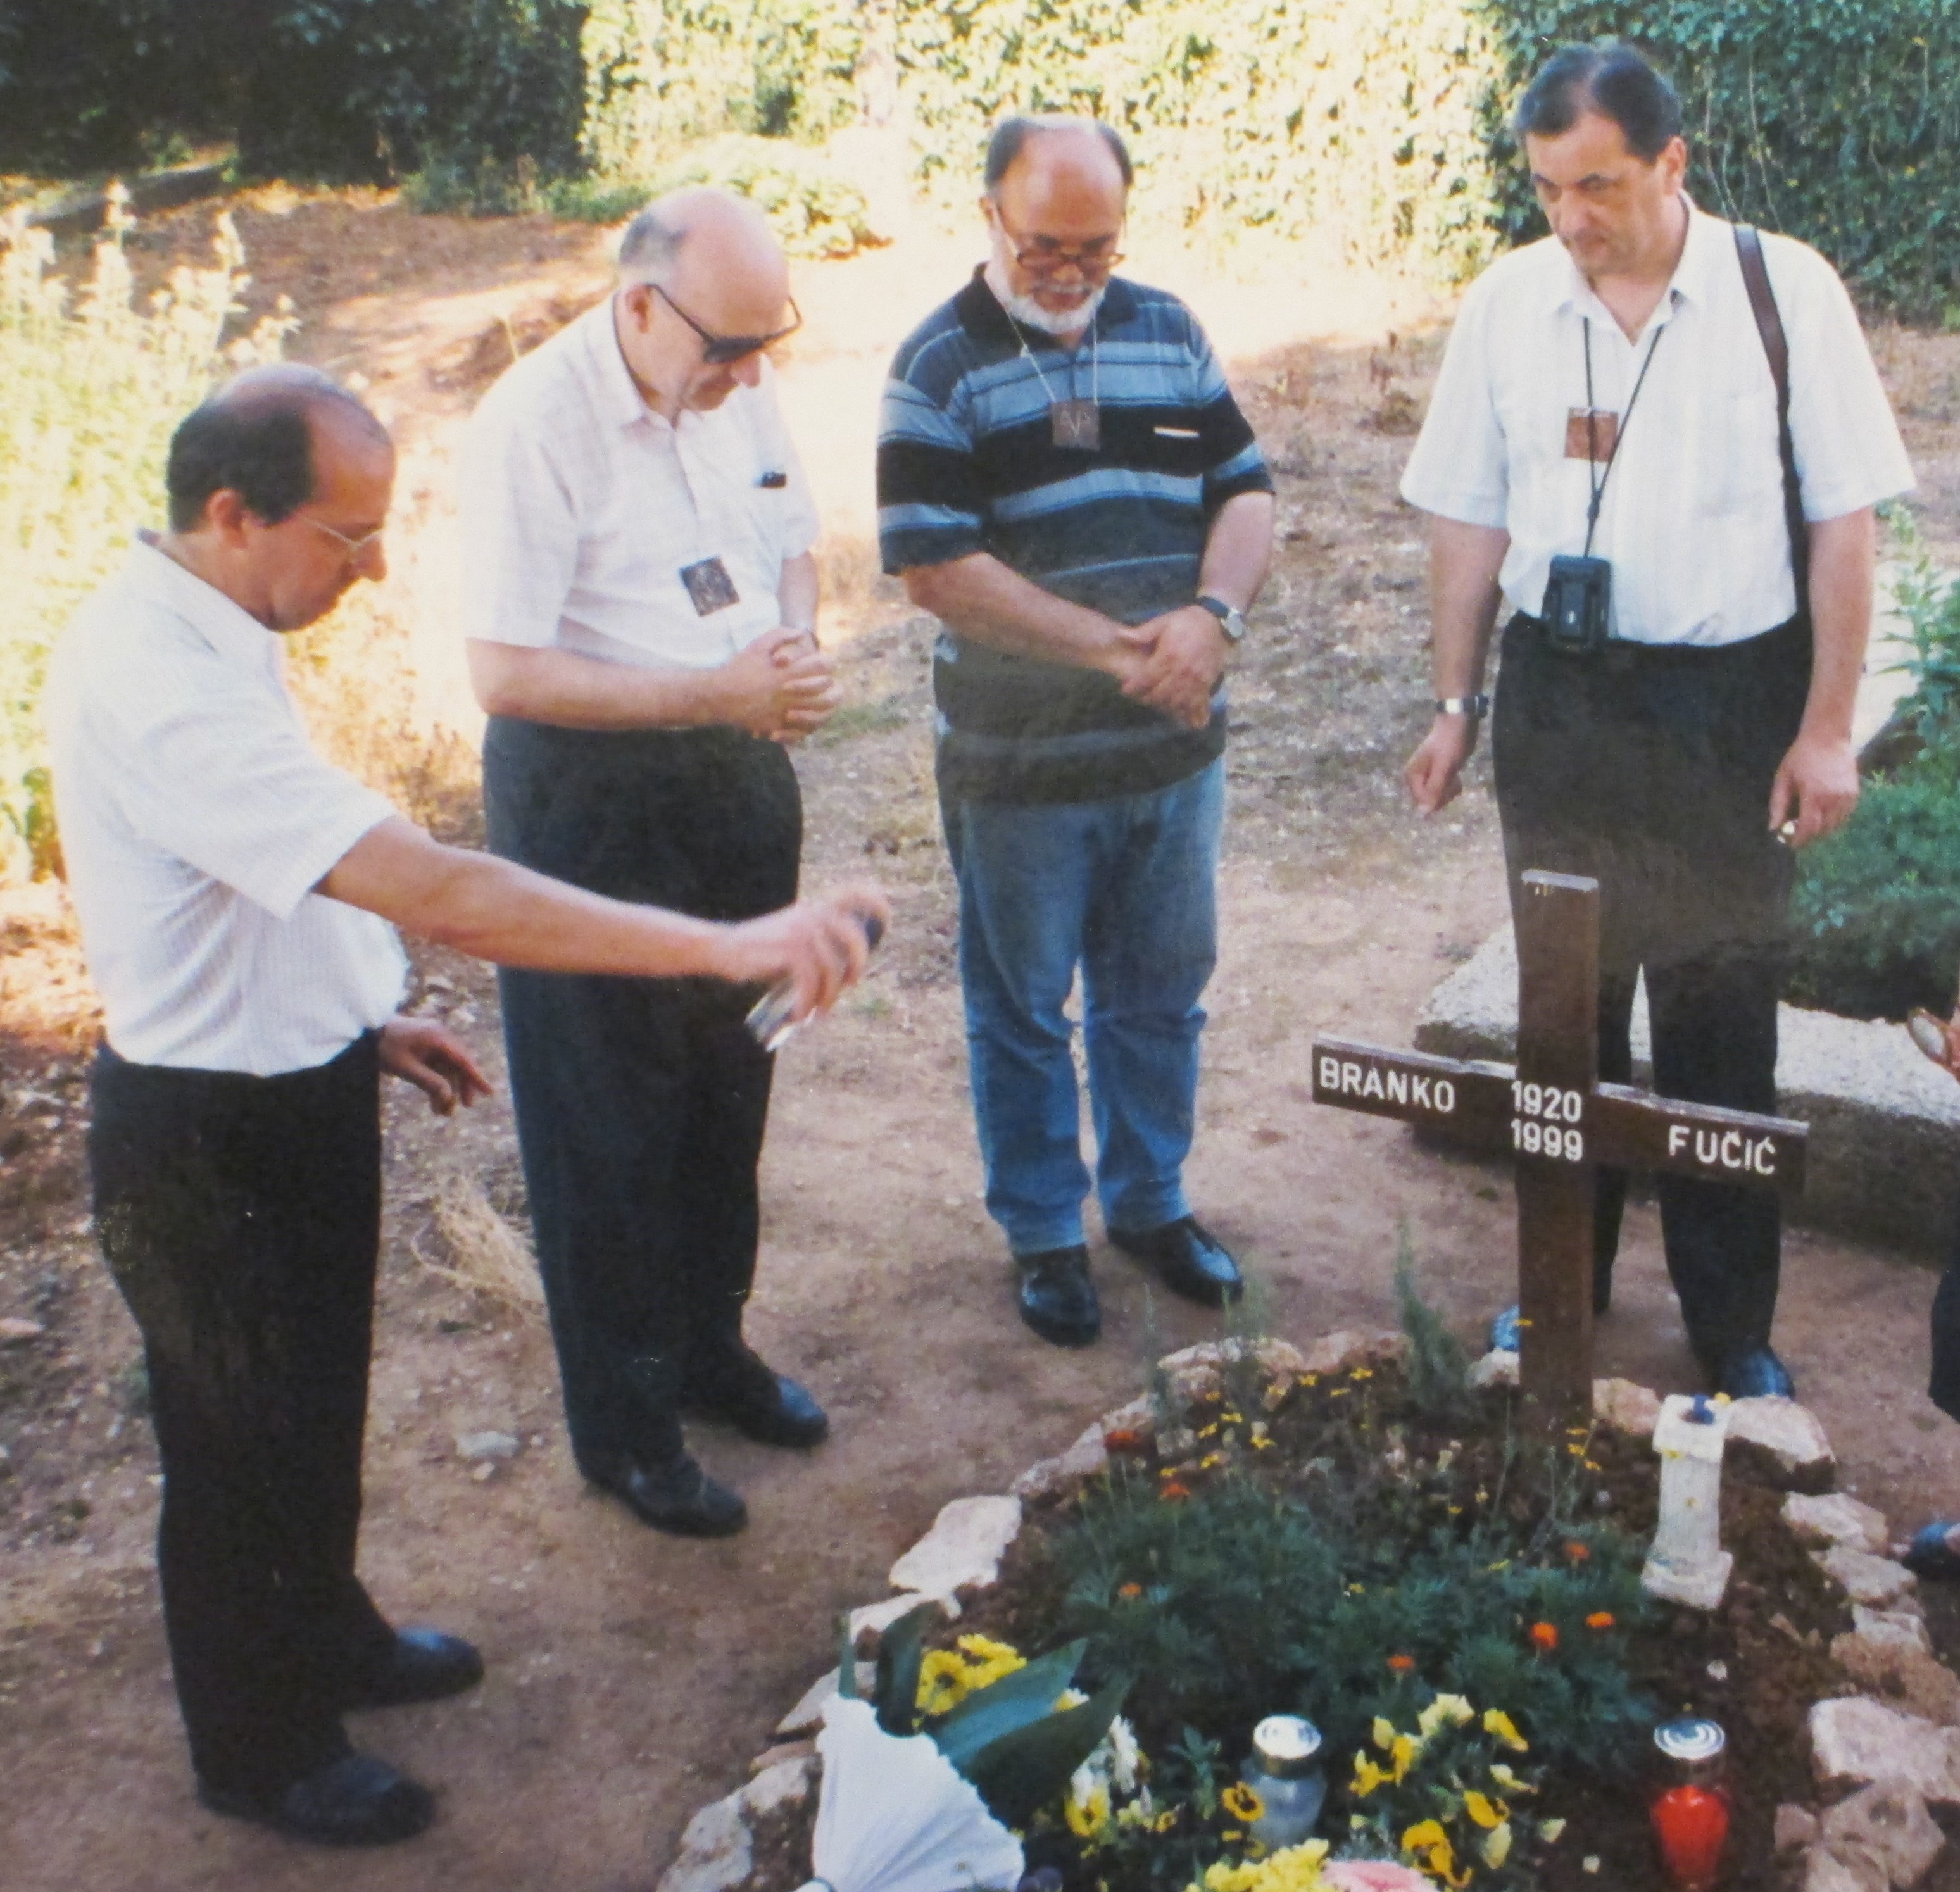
[709,586]
[1076,424]
[1590,433]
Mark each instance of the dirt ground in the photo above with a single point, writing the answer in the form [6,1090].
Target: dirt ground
[631,1675]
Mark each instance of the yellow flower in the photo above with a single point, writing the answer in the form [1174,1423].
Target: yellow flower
[1242,1803]
[1549,1830]
[1497,1847]
[943,1684]
[1384,1732]
[1484,1811]
[1429,1845]
[1211,1461]
[1504,1777]
[1087,1816]
[1456,1710]
[1368,1776]
[1361,1373]
[1165,1820]
[1406,1749]
[1496,1722]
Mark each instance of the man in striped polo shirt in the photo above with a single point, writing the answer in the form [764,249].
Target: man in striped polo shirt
[1065,481]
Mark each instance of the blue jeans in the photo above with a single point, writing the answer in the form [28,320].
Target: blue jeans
[1126,889]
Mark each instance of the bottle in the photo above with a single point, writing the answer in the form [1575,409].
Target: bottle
[769,1021]
[1283,1770]
[1690,1808]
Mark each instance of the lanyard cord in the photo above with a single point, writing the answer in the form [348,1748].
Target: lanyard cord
[1095,364]
[1597,480]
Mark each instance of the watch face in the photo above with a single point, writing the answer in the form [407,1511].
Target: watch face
[1234,622]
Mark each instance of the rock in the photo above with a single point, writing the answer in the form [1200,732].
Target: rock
[1889,1826]
[1139,1416]
[784,1750]
[869,1624]
[1779,1443]
[1086,1458]
[807,1715]
[1897,1670]
[1835,1518]
[16,1332]
[1824,1871]
[714,1854]
[1349,1348]
[1497,1368]
[1795,1827]
[1195,1372]
[962,1549]
[780,1788]
[1855,1742]
[1627,1407]
[478,1449]
[1901,1626]
[1874,1582]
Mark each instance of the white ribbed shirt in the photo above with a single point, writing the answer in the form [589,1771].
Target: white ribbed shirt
[581,506]
[196,819]
[1692,518]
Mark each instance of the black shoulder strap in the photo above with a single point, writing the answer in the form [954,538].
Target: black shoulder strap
[1775,345]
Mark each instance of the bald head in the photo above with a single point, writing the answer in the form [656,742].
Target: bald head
[1082,149]
[701,232]
[260,435]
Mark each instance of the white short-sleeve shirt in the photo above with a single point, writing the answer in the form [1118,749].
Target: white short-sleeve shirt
[196,818]
[580,507]
[1692,515]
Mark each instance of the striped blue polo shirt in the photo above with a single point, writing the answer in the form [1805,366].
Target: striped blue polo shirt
[967,463]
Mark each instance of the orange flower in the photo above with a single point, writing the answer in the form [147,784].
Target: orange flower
[1137,1589]
[1402,1664]
[1124,1438]
[1600,1620]
[1577,1552]
[1545,1637]
[1176,1489]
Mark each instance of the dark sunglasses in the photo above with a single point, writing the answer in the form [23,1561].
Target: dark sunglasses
[721,351]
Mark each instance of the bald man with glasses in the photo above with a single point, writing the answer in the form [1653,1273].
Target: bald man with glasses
[641,603]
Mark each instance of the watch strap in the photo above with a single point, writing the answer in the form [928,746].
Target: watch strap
[1476,707]
[1229,615]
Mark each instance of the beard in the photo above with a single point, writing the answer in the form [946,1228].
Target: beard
[1030,314]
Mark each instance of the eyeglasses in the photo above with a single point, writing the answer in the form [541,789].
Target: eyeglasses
[1042,256]
[722,350]
[357,549]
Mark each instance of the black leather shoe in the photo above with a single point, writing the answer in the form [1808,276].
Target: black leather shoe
[424,1665]
[1755,1373]
[1190,1260]
[768,1407]
[356,1801]
[1056,1297]
[678,1497]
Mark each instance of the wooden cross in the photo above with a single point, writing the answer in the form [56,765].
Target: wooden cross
[1562,1123]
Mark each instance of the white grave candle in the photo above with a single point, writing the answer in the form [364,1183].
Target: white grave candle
[1687,1564]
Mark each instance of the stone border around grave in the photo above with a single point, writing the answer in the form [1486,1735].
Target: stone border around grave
[1880,1759]
[1884,1120]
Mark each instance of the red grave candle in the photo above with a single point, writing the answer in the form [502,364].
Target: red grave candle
[1690,1812]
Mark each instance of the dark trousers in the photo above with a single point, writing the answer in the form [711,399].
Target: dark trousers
[240,1216]
[1648,768]
[641,1103]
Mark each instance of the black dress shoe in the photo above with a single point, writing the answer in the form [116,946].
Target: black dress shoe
[1056,1297]
[1755,1373]
[678,1497]
[356,1801]
[768,1407]
[1189,1258]
[423,1665]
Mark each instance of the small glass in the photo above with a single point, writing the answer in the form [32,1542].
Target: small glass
[1692,1806]
[769,1022]
[1283,1770]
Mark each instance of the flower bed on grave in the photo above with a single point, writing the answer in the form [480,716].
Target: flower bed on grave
[1384,1549]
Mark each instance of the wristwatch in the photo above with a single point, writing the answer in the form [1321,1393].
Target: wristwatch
[1476,707]
[1231,619]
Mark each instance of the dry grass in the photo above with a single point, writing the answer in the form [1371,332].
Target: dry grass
[486,1255]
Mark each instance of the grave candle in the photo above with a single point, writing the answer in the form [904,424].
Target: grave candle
[1690,1813]
[1283,1770]
[1687,1564]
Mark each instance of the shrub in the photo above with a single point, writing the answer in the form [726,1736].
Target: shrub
[93,389]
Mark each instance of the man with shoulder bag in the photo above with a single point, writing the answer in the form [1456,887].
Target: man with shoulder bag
[1660,440]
